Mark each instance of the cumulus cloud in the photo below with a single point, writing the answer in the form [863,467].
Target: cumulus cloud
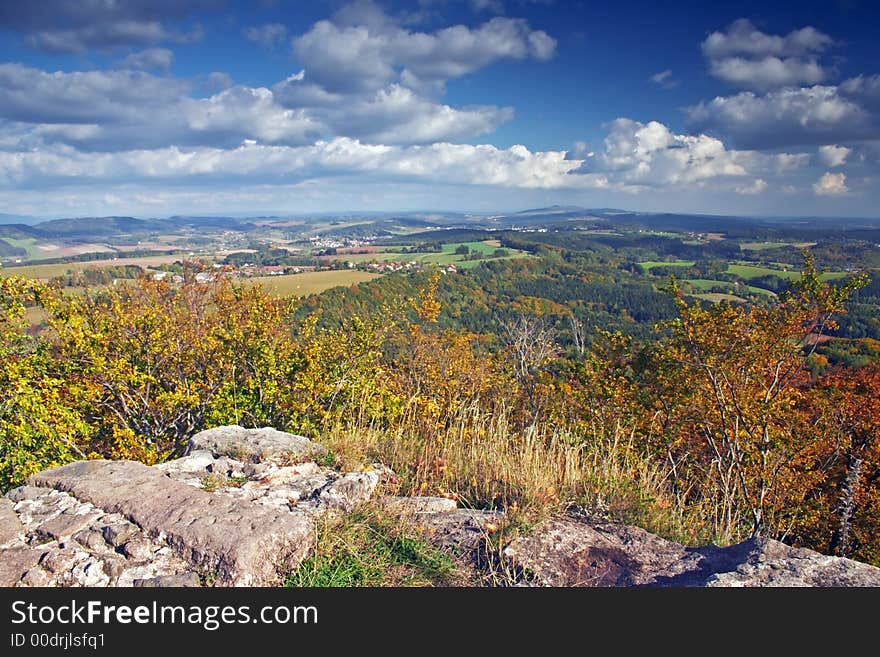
[362,49]
[269,35]
[665,79]
[755,187]
[742,37]
[831,184]
[72,26]
[767,72]
[397,115]
[159,59]
[784,117]
[650,154]
[833,156]
[466,164]
[124,109]
[83,97]
[744,56]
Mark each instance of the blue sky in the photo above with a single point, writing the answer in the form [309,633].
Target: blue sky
[157,107]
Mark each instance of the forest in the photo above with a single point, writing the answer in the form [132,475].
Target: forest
[538,385]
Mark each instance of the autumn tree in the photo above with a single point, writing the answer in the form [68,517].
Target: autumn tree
[153,362]
[38,426]
[738,426]
[843,511]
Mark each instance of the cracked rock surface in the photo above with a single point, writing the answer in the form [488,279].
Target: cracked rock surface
[241,508]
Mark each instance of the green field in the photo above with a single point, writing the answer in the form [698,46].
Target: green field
[312,282]
[761,246]
[29,244]
[648,265]
[446,257]
[706,284]
[761,290]
[752,271]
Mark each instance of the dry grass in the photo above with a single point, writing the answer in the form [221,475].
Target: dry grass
[483,461]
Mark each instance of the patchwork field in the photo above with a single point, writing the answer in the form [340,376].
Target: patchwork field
[446,257]
[307,283]
[45,272]
[650,264]
[753,271]
[717,297]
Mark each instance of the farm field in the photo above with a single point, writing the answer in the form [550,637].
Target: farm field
[707,284]
[45,272]
[762,246]
[754,271]
[718,297]
[307,283]
[446,257]
[648,265]
[42,250]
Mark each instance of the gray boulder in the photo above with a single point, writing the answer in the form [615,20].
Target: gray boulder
[577,553]
[255,445]
[237,541]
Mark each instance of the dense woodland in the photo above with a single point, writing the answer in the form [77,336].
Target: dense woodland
[567,380]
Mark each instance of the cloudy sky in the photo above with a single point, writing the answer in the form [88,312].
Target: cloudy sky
[156,107]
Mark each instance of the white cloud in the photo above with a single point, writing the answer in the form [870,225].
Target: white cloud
[159,59]
[396,115]
[650,154]
[755,187]
[35,96]
[463,164]
[768,72]
[833,156]
[665,79]
[831,184]
[810,115]
[742,37]
[64,26]
[269,35]
[749,58]
[363,50]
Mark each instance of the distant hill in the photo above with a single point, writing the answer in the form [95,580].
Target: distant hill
[91,227]
[17,219]
[18,231]
[231,223]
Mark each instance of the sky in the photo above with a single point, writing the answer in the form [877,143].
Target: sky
[161,107]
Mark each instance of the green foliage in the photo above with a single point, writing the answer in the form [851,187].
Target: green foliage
[39,427]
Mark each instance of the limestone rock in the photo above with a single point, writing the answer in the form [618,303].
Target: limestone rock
[10,526]
[349,490]
[65,525]
[255,445]
[197,462]
[25,493]
[17,561]
[576,553]
[137,548]
[764,562]
[464,530]
[118,533]
[419,505]
[243,543]
[184,579]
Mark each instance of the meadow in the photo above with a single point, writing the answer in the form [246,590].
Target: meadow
[313,282]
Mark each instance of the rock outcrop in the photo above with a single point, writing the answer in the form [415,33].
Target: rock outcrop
[576,553]
[241,509]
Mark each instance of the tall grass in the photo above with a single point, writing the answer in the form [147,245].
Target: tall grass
[483,460]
